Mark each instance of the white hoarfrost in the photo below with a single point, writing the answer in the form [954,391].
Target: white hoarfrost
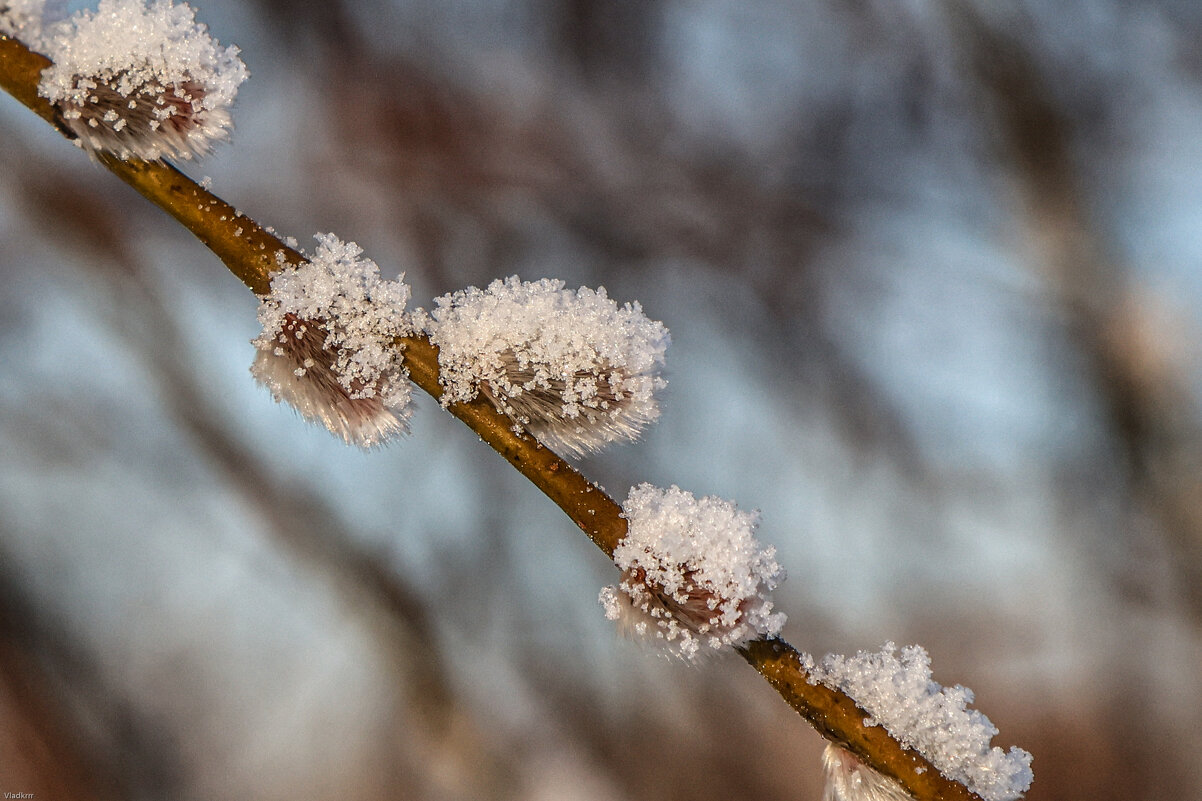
[693,574]
[571,367]
[328,345]
[142,80]
[900,695]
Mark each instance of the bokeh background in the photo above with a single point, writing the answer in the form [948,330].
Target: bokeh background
[934,276]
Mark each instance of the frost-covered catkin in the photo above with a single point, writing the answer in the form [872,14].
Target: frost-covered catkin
[693,574]
[849,779]
[900,695]
[328,346]
[571,367]
[142,80]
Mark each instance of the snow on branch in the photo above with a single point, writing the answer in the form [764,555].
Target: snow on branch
[899,693]
[139,80]
[573,368]
[693,575]
[329,345]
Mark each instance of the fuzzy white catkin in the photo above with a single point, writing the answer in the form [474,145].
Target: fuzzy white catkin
[693,575]
[329,343]
[141,80]
[849,779]
[573,368]
[900,695]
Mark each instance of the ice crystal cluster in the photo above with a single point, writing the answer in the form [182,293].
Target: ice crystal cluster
[849,779]
[328,345]
[139,80]
[899,694]
[571,367]
[693,575]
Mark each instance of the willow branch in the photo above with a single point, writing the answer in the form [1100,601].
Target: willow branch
[252,254]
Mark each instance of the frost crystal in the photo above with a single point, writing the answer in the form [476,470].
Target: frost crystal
[328,346]
[933,720]
[849,779]
[140,80]
[573,368]
[692,572]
